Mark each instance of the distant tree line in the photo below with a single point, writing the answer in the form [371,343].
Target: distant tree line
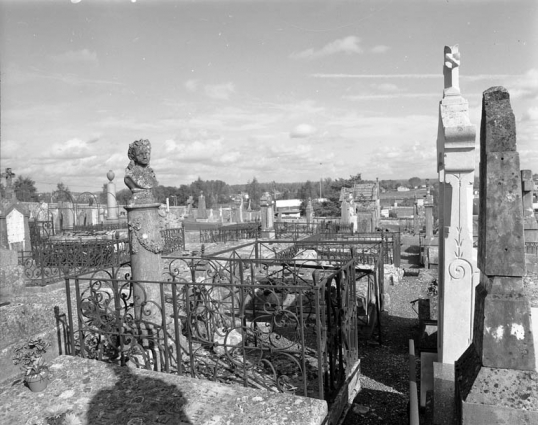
[325,193]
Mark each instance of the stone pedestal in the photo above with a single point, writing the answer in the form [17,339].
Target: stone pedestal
[146,247]
[496,376]
[455,147]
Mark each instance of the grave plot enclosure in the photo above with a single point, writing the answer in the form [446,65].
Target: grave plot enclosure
[246,315]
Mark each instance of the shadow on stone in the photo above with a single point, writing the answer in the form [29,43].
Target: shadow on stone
[136,399]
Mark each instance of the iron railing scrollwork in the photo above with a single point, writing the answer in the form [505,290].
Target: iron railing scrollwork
[51,260]
[261,322]
[174,240]
[231,233]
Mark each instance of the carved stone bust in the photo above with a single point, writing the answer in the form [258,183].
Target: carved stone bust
[139,176]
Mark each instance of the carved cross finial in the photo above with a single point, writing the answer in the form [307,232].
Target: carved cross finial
[451,73]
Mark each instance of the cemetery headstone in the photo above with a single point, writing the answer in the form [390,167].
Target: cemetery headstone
[202,212]
[267,216]
[309,212]
[112,205]
[457,268]
[496,376]
[190,213]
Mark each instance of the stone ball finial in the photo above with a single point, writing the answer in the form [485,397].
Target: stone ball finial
[110,175]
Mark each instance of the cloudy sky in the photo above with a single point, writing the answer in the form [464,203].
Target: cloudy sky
[280,90]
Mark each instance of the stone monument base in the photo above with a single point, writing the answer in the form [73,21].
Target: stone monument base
[267,234]
[501,396]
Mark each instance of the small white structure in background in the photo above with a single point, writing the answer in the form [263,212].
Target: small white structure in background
[15,227]
[288,208]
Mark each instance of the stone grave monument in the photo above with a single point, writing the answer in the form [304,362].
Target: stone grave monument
[189,212]
[14,227]
[496,378]
[202,211]
[309,212]
[267,216]
[112,205]
[144,231]
[457,266]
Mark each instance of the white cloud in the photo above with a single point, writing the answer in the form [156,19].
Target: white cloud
[380,49]
[524,86]
[348,45]
[531,114]
[302,130]
[76,56]
[220,91]
[71,149]
[385,87]
[191,85]
[389,96]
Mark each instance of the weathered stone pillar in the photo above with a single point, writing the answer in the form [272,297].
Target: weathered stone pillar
[146,247]
[530,225]
[112,205]
[202,212]
[309,212]
[496,376]
[428,207]
[455,149]
[267,216]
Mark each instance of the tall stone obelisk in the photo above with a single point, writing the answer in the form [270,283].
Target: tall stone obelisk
[496,379]
[456,164]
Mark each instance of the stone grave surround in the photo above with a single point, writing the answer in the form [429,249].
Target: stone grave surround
[496,378]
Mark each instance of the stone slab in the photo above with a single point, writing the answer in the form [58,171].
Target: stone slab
[502,396]
[443,393]
[98,393]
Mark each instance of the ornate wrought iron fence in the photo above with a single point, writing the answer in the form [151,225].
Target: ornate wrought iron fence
[99,227]
[51,260]
[40,230]
[174,240]
[230,233]
[294,230]
[261,323]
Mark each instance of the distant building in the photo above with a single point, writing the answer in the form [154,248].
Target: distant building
[403,189]
[288,208]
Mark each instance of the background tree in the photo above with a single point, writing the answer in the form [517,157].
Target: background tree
[2,190]
[103,196]
[25,190]
[415,181]
[63,193]
[123,196]
[254,193]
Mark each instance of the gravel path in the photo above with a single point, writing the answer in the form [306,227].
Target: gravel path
[385,368]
